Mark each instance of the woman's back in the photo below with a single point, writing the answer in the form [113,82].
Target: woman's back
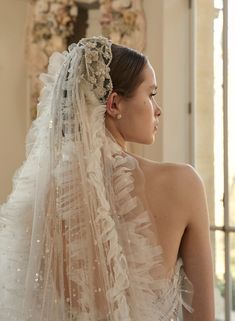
[170,217]
[177,199]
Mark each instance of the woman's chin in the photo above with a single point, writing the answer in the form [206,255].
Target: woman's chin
[147,140]
[153,138]
[150,140]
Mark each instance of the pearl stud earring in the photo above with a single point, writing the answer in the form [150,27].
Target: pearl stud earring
[119,116]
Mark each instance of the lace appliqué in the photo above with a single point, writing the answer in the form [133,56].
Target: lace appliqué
[97,58]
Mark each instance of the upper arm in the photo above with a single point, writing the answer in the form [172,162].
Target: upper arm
[195,247]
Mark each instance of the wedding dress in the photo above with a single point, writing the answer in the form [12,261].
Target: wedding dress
[77,238]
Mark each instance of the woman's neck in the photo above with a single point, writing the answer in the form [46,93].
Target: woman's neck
[117,136]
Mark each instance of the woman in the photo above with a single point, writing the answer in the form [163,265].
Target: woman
[91,231]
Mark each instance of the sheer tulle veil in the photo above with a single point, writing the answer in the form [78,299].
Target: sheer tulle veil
[77,239]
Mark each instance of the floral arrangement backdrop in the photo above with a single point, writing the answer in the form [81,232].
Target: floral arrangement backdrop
[51,24]
[123,21]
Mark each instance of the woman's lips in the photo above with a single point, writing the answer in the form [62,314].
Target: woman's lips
[155,126]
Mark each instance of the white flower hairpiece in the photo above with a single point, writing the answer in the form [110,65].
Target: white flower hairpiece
[98,56]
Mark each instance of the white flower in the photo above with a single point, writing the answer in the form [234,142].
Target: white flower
[102,79]
[92,79]
[100,91]
[41,6]
[118,5]
[91,56]
[74,11]
[90,44]
[55,7]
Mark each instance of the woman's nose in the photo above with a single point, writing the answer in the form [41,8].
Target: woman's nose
[158,110]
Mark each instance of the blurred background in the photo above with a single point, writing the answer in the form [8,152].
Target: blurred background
[190,46]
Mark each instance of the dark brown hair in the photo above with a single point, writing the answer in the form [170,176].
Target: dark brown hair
[125,69]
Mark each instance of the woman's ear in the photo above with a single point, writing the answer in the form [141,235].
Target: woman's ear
[112,105]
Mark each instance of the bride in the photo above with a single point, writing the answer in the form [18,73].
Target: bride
[90,230]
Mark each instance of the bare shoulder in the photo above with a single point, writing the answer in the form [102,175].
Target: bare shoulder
[182,175]
[177,184]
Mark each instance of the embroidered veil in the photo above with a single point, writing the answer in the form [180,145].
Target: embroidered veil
[77,238]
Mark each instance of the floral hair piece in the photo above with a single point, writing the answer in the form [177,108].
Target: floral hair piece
[97,58]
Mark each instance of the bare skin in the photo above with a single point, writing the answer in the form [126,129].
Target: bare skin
[177,198]
[178,203]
